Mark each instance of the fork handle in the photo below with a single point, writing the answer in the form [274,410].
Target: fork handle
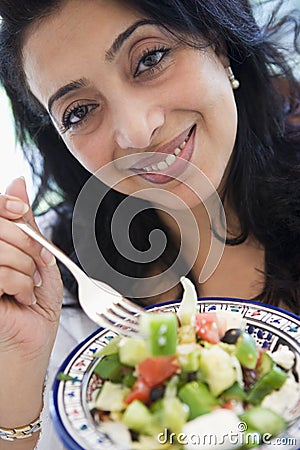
[61,256]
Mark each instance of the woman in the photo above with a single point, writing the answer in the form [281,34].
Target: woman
[169,103]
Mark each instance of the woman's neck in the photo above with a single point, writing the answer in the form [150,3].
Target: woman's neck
[217,269]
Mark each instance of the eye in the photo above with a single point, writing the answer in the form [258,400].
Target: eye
[151,58]
[76,115]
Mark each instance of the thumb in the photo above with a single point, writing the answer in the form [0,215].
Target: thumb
[17,188]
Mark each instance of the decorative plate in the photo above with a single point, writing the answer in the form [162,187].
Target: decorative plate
[73,421]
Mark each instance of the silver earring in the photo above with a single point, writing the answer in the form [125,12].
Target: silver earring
[234,82]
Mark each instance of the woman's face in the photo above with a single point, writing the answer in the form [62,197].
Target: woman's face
[116,84]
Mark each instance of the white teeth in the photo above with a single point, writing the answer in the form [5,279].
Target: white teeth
[170,159]
[162,165]
[182,145]
[167,162]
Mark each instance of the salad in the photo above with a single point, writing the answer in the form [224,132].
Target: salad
[192,380]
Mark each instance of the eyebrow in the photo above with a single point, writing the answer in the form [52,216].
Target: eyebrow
[109,55]
[119,41]
[64,90]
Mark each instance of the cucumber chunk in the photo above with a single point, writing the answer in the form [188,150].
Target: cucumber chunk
[265,364]
[110,348]
[174,414]
[132,351]
[138,417]
[111,397]
[263,420]
[218,369]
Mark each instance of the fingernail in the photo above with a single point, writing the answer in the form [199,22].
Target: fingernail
[17,207]
[37,279]
[47,257]
[33,299]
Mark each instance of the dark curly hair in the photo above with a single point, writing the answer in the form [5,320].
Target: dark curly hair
[263,183]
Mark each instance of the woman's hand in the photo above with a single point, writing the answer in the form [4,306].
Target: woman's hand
[30,282]
[30,301]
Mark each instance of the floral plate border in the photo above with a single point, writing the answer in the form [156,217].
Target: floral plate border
[68,406]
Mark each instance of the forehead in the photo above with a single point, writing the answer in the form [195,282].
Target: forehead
[69,38]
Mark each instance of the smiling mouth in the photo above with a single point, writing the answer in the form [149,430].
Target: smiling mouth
[164,162]
[170,159]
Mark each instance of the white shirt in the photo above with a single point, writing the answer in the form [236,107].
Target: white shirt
[74,327]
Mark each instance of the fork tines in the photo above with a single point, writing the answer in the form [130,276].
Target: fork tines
[123,327]
[122,317]
[130,306]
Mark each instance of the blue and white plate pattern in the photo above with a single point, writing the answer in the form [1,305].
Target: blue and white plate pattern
[69,409]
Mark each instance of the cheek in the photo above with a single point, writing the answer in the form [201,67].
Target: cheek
[99,160]
[216,140]
[220,122]
[88,151]
[217,128]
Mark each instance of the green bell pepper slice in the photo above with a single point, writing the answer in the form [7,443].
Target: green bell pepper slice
[272,380]
[246,350]
[160,331]
[198,398]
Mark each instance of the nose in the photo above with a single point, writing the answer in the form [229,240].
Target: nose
[136,124]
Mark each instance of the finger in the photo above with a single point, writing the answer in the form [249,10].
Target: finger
[51,291]
[14,258]
[18,285]
[12,207]
[11,234]
[50,294]
[17,188]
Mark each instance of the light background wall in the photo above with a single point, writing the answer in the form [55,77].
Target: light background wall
[12,163]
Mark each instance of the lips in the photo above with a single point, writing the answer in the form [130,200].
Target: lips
[168,161]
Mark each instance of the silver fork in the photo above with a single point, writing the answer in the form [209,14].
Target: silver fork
[102,304]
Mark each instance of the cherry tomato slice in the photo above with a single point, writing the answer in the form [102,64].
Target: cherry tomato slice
[156,370]
[207,327]
[140,391]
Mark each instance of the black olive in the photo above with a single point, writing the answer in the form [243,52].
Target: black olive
[157,393]
[250,377]
[192,376]
[134,435]
[231,336]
